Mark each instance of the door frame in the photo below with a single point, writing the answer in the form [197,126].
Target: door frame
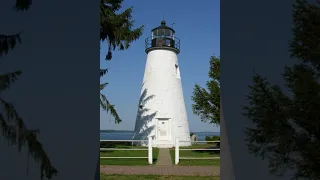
[169,129]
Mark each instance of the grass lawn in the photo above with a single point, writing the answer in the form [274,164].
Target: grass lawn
[203,154]
[156,177]
[128,153]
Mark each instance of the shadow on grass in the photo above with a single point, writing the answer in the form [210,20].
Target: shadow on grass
[154,160]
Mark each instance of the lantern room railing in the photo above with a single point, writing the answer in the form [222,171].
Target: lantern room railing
[166,42]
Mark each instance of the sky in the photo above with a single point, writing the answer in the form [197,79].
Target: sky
[198,27]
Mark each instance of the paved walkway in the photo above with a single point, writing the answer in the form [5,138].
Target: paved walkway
[163,167]
[164,157]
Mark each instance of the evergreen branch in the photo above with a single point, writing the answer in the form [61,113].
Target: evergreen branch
[7,79]
[103,72]
[105,105]
[22,5]
[115,28]
[102,86]
[15,131]
[8,42]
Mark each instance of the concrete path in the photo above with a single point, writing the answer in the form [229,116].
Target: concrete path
[163,170]
[164,157]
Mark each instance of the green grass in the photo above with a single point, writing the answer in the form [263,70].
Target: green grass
[156,177]
[197,162]
[126,153]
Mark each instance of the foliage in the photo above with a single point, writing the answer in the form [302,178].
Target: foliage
[213,138]
[286,128]
[116,31]
[12,126]
[105,144]
[105,104]
[207,101]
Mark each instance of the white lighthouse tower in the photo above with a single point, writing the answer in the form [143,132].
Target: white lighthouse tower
[161,112]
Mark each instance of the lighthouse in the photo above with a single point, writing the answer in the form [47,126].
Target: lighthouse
[161,109]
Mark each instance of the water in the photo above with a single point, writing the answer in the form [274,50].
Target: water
[127,135]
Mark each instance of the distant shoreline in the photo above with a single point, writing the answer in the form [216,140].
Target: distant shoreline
[116,130]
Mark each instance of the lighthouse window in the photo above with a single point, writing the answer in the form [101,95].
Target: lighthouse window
[177,71]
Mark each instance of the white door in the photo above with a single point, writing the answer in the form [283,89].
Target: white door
[163,129]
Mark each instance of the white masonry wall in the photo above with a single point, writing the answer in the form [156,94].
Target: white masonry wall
[162,97]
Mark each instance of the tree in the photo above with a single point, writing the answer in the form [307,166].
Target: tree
[207,101]
[12,126]
[286,127]
[116,31]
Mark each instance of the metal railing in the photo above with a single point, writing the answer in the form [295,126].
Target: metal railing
[177,151]
[149,149]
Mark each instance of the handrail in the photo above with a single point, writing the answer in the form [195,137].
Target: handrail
[149,149]
[177,151]
[123,140]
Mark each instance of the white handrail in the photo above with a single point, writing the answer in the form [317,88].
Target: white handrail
[199,141]
[199,158]
[116,149]
[123,140]
[199,149]
[149,149]
[177,151]
[123,157]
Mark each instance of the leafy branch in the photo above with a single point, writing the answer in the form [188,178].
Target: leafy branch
[12,126]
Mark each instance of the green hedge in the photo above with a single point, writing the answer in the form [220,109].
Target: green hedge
[213,138]
[108,144]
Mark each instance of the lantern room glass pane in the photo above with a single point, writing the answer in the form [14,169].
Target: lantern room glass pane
[162,32]
[167,32]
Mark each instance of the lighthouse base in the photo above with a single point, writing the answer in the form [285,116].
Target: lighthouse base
[164,144]
[168,144]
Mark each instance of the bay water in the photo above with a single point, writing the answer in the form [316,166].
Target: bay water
[127,135]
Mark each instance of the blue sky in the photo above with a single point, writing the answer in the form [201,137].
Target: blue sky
[198,27]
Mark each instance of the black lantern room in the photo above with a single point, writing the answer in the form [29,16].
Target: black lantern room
[163,37]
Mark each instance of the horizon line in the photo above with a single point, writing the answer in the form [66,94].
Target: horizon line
[133,130]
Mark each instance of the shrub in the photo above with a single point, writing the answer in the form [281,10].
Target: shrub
[213,138]
[108,144]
